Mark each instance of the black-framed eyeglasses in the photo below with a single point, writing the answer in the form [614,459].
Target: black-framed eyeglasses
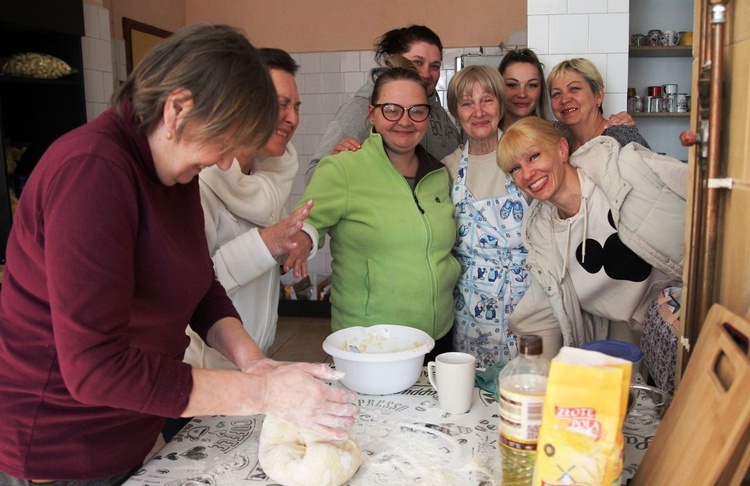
[393,112]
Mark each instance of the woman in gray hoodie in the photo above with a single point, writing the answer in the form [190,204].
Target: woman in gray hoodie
[350,127]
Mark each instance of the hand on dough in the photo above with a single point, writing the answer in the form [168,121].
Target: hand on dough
[295,393]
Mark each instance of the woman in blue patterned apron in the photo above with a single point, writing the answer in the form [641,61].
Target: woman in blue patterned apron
[489,211]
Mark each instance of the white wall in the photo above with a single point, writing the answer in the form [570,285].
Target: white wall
[594,29]
[98,71]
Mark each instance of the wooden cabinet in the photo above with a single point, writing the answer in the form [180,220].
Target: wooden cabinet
[35,112]
[656,66]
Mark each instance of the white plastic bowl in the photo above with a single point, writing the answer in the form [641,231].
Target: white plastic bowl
[381,359]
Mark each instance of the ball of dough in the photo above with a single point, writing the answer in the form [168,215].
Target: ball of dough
[296,457]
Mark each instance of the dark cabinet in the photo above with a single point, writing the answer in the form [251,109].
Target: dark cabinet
[35,112]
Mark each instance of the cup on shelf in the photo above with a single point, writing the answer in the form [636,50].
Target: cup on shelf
[669,38]
[639,40]
[682,102]
[655,104]
[654,91]
[635,104]
[669,89]
[654,37]
[670,102]
[686,38]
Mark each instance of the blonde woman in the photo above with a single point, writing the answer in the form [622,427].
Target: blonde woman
[576,91]
[606,232]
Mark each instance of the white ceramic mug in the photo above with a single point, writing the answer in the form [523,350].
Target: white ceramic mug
[452,376]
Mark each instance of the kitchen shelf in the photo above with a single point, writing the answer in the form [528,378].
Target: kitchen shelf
[73,79]
[663,114]
[35,112]
[661,51]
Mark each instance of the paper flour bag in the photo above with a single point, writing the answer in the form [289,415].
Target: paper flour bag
[580,441]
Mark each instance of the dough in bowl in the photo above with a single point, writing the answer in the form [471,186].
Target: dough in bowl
[295,457]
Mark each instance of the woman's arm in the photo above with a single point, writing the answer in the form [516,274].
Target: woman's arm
[294,392]
[258,198]
[229,337]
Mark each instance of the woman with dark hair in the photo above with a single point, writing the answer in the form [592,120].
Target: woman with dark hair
[107,261]
[387,210]
[525,91]
[247,226]
[350,127]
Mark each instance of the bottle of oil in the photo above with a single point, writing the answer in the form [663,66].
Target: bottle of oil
[521,387]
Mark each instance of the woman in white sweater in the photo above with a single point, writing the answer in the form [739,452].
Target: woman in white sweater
[247,227]
[605,233]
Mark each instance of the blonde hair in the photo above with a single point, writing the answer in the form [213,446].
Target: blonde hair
[515,140]
[463,82]
[582,66]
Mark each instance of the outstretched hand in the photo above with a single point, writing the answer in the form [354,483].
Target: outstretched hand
[297,257]
[282,237]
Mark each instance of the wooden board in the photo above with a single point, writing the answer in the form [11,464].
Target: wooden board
[704,438]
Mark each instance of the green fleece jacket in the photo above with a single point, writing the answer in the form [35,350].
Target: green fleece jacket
[391,247]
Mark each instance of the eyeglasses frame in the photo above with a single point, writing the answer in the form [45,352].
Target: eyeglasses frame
[403,111]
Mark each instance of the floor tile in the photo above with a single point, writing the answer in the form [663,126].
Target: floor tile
[300,339]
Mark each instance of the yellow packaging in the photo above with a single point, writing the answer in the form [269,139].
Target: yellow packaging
[580,440]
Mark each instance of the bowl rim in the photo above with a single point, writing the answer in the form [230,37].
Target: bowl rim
[415,352]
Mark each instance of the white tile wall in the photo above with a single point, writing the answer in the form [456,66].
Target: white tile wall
[568,34]
[587,6]
[534,7]
[595,29]
[607,31]
[99,69]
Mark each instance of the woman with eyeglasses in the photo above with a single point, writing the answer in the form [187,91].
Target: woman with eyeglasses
[424,49]
[387,210]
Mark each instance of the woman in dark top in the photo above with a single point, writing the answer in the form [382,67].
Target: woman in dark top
[107,261]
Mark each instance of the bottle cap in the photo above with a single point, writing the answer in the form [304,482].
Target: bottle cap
[618,349]
[530,344]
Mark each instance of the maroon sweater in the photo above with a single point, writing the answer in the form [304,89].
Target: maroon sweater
[105,266]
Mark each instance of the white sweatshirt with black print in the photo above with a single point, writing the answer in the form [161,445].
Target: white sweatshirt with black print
[632,218]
